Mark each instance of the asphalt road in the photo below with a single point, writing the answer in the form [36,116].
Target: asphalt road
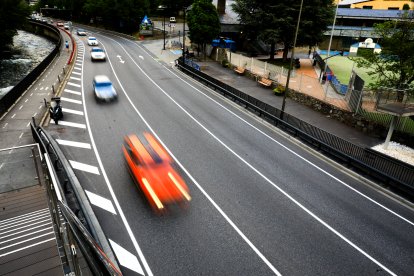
[261,203]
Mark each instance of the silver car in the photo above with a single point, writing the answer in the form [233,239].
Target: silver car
[98,54]
[103,88]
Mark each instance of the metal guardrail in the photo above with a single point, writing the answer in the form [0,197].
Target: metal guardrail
[374,164]
[10,98]
[79,228]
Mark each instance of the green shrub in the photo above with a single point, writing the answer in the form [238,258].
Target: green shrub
[279,90]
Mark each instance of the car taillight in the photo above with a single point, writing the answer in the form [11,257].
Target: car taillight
[152,193]
[182,190]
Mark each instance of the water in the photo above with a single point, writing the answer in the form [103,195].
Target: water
[28,51]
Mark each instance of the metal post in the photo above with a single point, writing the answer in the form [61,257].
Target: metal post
[390,131]
[292,56]
[164,30]
[184,36]
[330,42]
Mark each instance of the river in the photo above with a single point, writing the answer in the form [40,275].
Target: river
[28,51]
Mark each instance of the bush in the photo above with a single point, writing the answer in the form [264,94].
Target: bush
[279,90]
[225,63]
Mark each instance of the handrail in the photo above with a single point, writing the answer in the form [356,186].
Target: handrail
[99,259]
[393,172]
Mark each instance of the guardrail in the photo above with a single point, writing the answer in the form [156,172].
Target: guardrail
[10,98]
[79,226]
[381,167]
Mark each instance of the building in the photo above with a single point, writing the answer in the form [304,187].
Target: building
[376,4]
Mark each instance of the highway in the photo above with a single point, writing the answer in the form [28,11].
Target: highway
[262,203]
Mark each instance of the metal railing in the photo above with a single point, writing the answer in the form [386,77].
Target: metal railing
[374,164]
[79,227]
[10,98]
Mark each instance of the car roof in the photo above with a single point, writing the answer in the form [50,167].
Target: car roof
[96,48]
[91,37]
[101,78]
[149,149]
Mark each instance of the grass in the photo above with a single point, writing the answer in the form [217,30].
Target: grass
[342,67]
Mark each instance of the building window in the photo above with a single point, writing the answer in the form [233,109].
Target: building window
[367,7]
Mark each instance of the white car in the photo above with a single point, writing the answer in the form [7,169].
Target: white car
[97,54]
[103,88]
[81,32]
[92,41]
[66,26]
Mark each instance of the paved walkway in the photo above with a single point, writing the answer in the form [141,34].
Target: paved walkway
[251,87]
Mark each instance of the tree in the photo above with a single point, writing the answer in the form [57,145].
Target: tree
[394,66]
[203,22]
[13,15]
[274,21]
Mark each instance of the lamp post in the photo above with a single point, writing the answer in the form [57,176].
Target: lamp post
[292,56]
[162,8]
[330,42]
[185,10]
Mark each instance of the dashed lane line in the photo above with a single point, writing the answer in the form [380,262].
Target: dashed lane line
[72,111]
[84,167]
[76,73]
[72,91]
[75,78]
[66,123]
[64,99]
[126,259]
[77,68]
[73,144]
[101,202]
[73,84]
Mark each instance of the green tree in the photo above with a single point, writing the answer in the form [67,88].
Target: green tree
[13,15]
[394,66]
[203,23]
[274,21]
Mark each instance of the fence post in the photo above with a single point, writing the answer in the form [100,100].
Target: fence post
[53,89]
[59,78]
[300,82]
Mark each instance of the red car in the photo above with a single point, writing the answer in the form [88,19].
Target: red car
[151,167]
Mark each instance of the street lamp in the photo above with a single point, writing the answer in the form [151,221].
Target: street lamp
[292,56]
[330,41]
[163,8]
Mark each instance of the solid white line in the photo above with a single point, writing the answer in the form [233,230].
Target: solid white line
[28,229]
[74,78]
[28,124]
[111,191]
[101,202]
[126,259]
[72,111]
[25,235]
[259,173]
[26,100]
[218,208]
[21,134]
[20,242]
[34,213]
[65,123]
[41,216]
[23,248]
[28,225]
[20,107]
[64,99]
[13,116]
[73,84]
[84,167]
[72,91]
[73,144]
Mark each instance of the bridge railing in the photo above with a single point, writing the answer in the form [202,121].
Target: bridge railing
[383,168]
[79,228]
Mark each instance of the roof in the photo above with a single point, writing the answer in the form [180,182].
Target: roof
[367,13]
[350,2]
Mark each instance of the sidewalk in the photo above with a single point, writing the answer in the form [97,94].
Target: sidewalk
[248,86]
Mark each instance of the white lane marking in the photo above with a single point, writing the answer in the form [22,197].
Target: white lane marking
[65,123]
[78,63]
[48,93]
[84,167]
[20,107]
[34,213]
[74,144]
[72,91]
[27,229]
[25,220]
[25,235]
[28,124]
[111,191]
[101,202]
[34,114]
[72,111]
[35,88]
[21,134]
[73,84]
[64,99]
[298,155]
[40,106]
[255,170]
[13,116]
[47,88]
[77,68]
[5,125]
[43,80]
[23,248]
[77,73]
[125,258]
[26,100]
[20,242]
[141,57]
[31,94]
[74,78]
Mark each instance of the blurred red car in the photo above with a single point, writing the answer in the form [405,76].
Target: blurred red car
[151,167]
